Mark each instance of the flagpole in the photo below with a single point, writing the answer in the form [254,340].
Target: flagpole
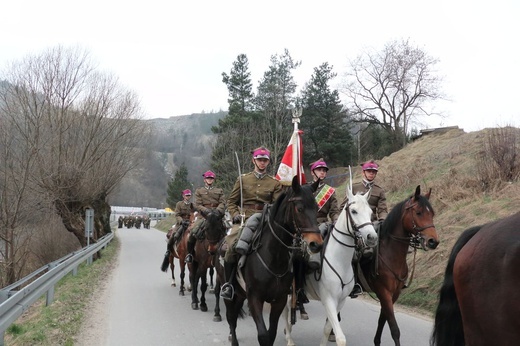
[296,114]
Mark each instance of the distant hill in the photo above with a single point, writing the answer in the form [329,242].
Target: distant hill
[183,139]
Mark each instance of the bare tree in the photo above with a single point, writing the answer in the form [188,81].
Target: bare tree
[392,87]
[82,128]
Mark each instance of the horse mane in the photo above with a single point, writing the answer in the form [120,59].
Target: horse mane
[394,217]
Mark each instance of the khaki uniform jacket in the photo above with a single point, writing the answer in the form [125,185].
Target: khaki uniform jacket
[377,200]
[210,198]
[183,211]
[255,193]
[329,209]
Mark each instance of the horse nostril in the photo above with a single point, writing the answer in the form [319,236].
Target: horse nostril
[432,243]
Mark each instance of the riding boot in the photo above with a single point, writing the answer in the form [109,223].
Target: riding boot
[356,291]
[191,248]
[227,291]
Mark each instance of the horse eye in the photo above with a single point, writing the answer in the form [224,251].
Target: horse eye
[299,209]
[354,211]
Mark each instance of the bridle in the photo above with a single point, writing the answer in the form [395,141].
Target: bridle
[415,237]
[297,236]
[353,231]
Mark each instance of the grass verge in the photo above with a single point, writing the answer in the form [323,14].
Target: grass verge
[58,323]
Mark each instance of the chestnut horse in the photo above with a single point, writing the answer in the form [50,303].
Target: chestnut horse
[479,301]
[409,223]
[289,224]
[213,230]
[180,250]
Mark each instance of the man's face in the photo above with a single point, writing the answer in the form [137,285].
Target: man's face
[320,173]
[209,181]
[261,164]
[187,197]
[370,174]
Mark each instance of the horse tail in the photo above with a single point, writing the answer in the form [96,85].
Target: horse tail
[165,263]
[447,329]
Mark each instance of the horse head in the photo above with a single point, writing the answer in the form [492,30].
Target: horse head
[418,220]
[302,215]
[359,217]
[214,229]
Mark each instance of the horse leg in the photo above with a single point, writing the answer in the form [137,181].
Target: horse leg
[256,307]
[327,329]
[194,280]
[288,325]
[233,310]
[203,287]
[217,317]
[276,310]
[172,267]
[211,272]
[387,314]
[183,273]
[332,306]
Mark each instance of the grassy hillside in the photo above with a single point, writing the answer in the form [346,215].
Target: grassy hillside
[448,164]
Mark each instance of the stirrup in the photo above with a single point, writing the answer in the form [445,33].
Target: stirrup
[188,258]
[227,287]
[356,291]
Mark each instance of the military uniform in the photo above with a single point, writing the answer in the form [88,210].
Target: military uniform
[330,209]
[183,212]
[208,198]
[377,199]
[257,190]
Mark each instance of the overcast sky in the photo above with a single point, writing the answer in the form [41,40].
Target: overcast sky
[172,53]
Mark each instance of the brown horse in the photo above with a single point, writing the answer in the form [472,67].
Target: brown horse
[409,223]
[213,230]
[479,301]
[289,224]
[180,250]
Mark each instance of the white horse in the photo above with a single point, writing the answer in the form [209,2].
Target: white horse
[336,281]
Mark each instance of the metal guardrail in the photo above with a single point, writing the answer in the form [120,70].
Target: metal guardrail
[13,302]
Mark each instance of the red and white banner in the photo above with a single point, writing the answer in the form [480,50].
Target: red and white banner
[291,164]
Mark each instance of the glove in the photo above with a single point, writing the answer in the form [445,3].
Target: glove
[204,212]
[237,219]
[185,223]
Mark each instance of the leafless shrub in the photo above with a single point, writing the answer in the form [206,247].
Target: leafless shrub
[499,160]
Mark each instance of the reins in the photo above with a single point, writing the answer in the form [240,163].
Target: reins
[297,234]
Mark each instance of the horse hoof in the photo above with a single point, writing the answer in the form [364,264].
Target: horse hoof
[230,338]
[332,338]
[181,293]
[203,308]
[194,306]
[217,318]
[211,290]
[304,316]
[174,284]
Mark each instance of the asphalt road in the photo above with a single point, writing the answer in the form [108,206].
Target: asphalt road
[137,306]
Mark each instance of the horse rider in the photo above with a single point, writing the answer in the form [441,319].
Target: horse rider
[376,200]
[183,211]
[258,189]
[328,213]
[208,199]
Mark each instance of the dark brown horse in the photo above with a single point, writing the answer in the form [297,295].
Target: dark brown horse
[213,230]
[479,301]
[289,224]
[409,223]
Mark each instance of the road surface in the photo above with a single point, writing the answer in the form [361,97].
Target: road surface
[137,306]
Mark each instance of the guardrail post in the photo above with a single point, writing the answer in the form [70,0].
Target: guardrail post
[50,292]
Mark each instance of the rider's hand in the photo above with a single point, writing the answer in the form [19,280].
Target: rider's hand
[185,223]
[237,219]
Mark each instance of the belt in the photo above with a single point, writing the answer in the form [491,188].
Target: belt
[211,205]
[254,206]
